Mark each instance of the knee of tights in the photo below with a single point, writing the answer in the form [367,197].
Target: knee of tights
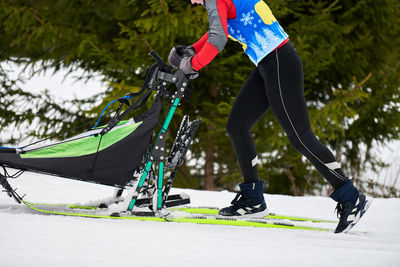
[235,130]
[298,141]
[232,128]
[296,144]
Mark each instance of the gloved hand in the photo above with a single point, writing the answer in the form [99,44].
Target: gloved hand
[178,52]
[186,67]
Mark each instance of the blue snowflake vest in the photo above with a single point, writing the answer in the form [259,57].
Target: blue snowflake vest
[255,28]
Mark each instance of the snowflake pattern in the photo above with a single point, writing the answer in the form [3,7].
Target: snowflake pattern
[231,30]
[247,19]
[240,38]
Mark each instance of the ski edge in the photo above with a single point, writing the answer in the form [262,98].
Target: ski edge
[192,210]
[214,210]
[190,219]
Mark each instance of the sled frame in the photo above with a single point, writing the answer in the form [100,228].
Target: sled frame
[161,76]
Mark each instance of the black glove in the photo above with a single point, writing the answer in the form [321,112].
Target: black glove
[178,52]
[186,67]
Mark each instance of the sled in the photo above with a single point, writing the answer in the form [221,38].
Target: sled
[127,153]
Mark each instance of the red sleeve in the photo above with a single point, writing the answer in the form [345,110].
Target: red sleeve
[209,46]
[200,43]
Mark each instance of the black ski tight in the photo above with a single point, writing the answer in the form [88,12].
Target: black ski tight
[277,83]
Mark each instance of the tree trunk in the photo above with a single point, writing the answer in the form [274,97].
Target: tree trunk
[296,191]
[210,159]
[209,175]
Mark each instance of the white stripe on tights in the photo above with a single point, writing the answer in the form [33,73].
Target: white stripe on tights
[294,129]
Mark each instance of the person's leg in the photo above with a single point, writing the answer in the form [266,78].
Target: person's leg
[250,104]
[283,75]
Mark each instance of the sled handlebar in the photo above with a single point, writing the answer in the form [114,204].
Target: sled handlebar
[161,64]
[164,71]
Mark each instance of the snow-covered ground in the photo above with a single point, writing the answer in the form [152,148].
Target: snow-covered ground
[31,239]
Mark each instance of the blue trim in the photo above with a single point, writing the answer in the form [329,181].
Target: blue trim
[6,147]
[125,97]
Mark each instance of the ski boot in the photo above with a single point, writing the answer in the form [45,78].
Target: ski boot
[351,206]
[249,202]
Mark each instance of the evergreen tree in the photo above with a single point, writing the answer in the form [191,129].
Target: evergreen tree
[350,53]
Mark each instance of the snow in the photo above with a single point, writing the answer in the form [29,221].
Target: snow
[62,87]
[31,239]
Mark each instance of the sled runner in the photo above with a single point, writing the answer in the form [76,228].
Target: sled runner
[126,153]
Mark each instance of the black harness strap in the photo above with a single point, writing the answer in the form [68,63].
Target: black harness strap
[144,94]
[136,105]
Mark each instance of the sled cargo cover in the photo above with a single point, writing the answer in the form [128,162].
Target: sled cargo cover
[110,159]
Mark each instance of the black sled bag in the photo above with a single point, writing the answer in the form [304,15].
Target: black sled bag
[110,159]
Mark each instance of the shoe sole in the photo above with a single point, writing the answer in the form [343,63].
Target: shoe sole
[257,215]
[367,203]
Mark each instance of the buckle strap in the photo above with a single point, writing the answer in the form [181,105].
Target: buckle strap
[237,198]
[339,210]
